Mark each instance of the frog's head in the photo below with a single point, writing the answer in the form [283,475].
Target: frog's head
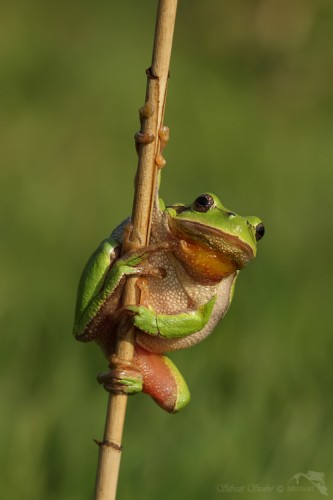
[214,242]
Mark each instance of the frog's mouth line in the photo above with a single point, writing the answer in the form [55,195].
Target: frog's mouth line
[228,246]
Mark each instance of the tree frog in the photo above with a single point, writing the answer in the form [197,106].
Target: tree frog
[186,276]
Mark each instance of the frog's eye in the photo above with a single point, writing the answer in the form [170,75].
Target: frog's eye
[203,203]
[260,231]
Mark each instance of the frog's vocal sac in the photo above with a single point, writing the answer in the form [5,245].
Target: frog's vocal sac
[186,276]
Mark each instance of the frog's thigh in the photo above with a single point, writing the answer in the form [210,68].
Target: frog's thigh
[162,380]
[172,325]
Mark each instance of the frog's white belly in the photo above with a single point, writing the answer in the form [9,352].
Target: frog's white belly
[222,291]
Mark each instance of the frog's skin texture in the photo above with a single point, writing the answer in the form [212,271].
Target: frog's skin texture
[186,276]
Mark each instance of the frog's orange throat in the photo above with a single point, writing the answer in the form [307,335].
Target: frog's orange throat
[203,262]
[207,263]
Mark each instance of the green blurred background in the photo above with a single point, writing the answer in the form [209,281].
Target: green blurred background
[250,108]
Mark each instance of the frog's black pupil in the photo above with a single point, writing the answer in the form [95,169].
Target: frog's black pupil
[260,231]
[203,203]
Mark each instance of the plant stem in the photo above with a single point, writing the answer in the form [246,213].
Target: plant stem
[151,122]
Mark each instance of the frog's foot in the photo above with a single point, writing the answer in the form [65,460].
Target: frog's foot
[164,135]
[134,249]
[124,377]
[133,258]
[142,273]
[128,246]
[162,380]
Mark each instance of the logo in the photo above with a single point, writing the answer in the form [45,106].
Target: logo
[317,479]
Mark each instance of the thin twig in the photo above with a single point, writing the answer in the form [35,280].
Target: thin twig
[151,121]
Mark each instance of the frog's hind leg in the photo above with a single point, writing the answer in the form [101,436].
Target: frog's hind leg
[162,380]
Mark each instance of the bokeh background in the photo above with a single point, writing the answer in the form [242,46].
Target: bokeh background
[250,108]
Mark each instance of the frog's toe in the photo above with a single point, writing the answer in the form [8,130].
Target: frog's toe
[124,377]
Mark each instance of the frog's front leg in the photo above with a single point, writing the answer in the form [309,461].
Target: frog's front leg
[153,374]
[102,282]
[171,325]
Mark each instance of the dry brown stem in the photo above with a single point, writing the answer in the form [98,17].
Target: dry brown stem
[152,115]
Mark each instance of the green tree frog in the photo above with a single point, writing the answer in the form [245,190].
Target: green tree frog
[186,276]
